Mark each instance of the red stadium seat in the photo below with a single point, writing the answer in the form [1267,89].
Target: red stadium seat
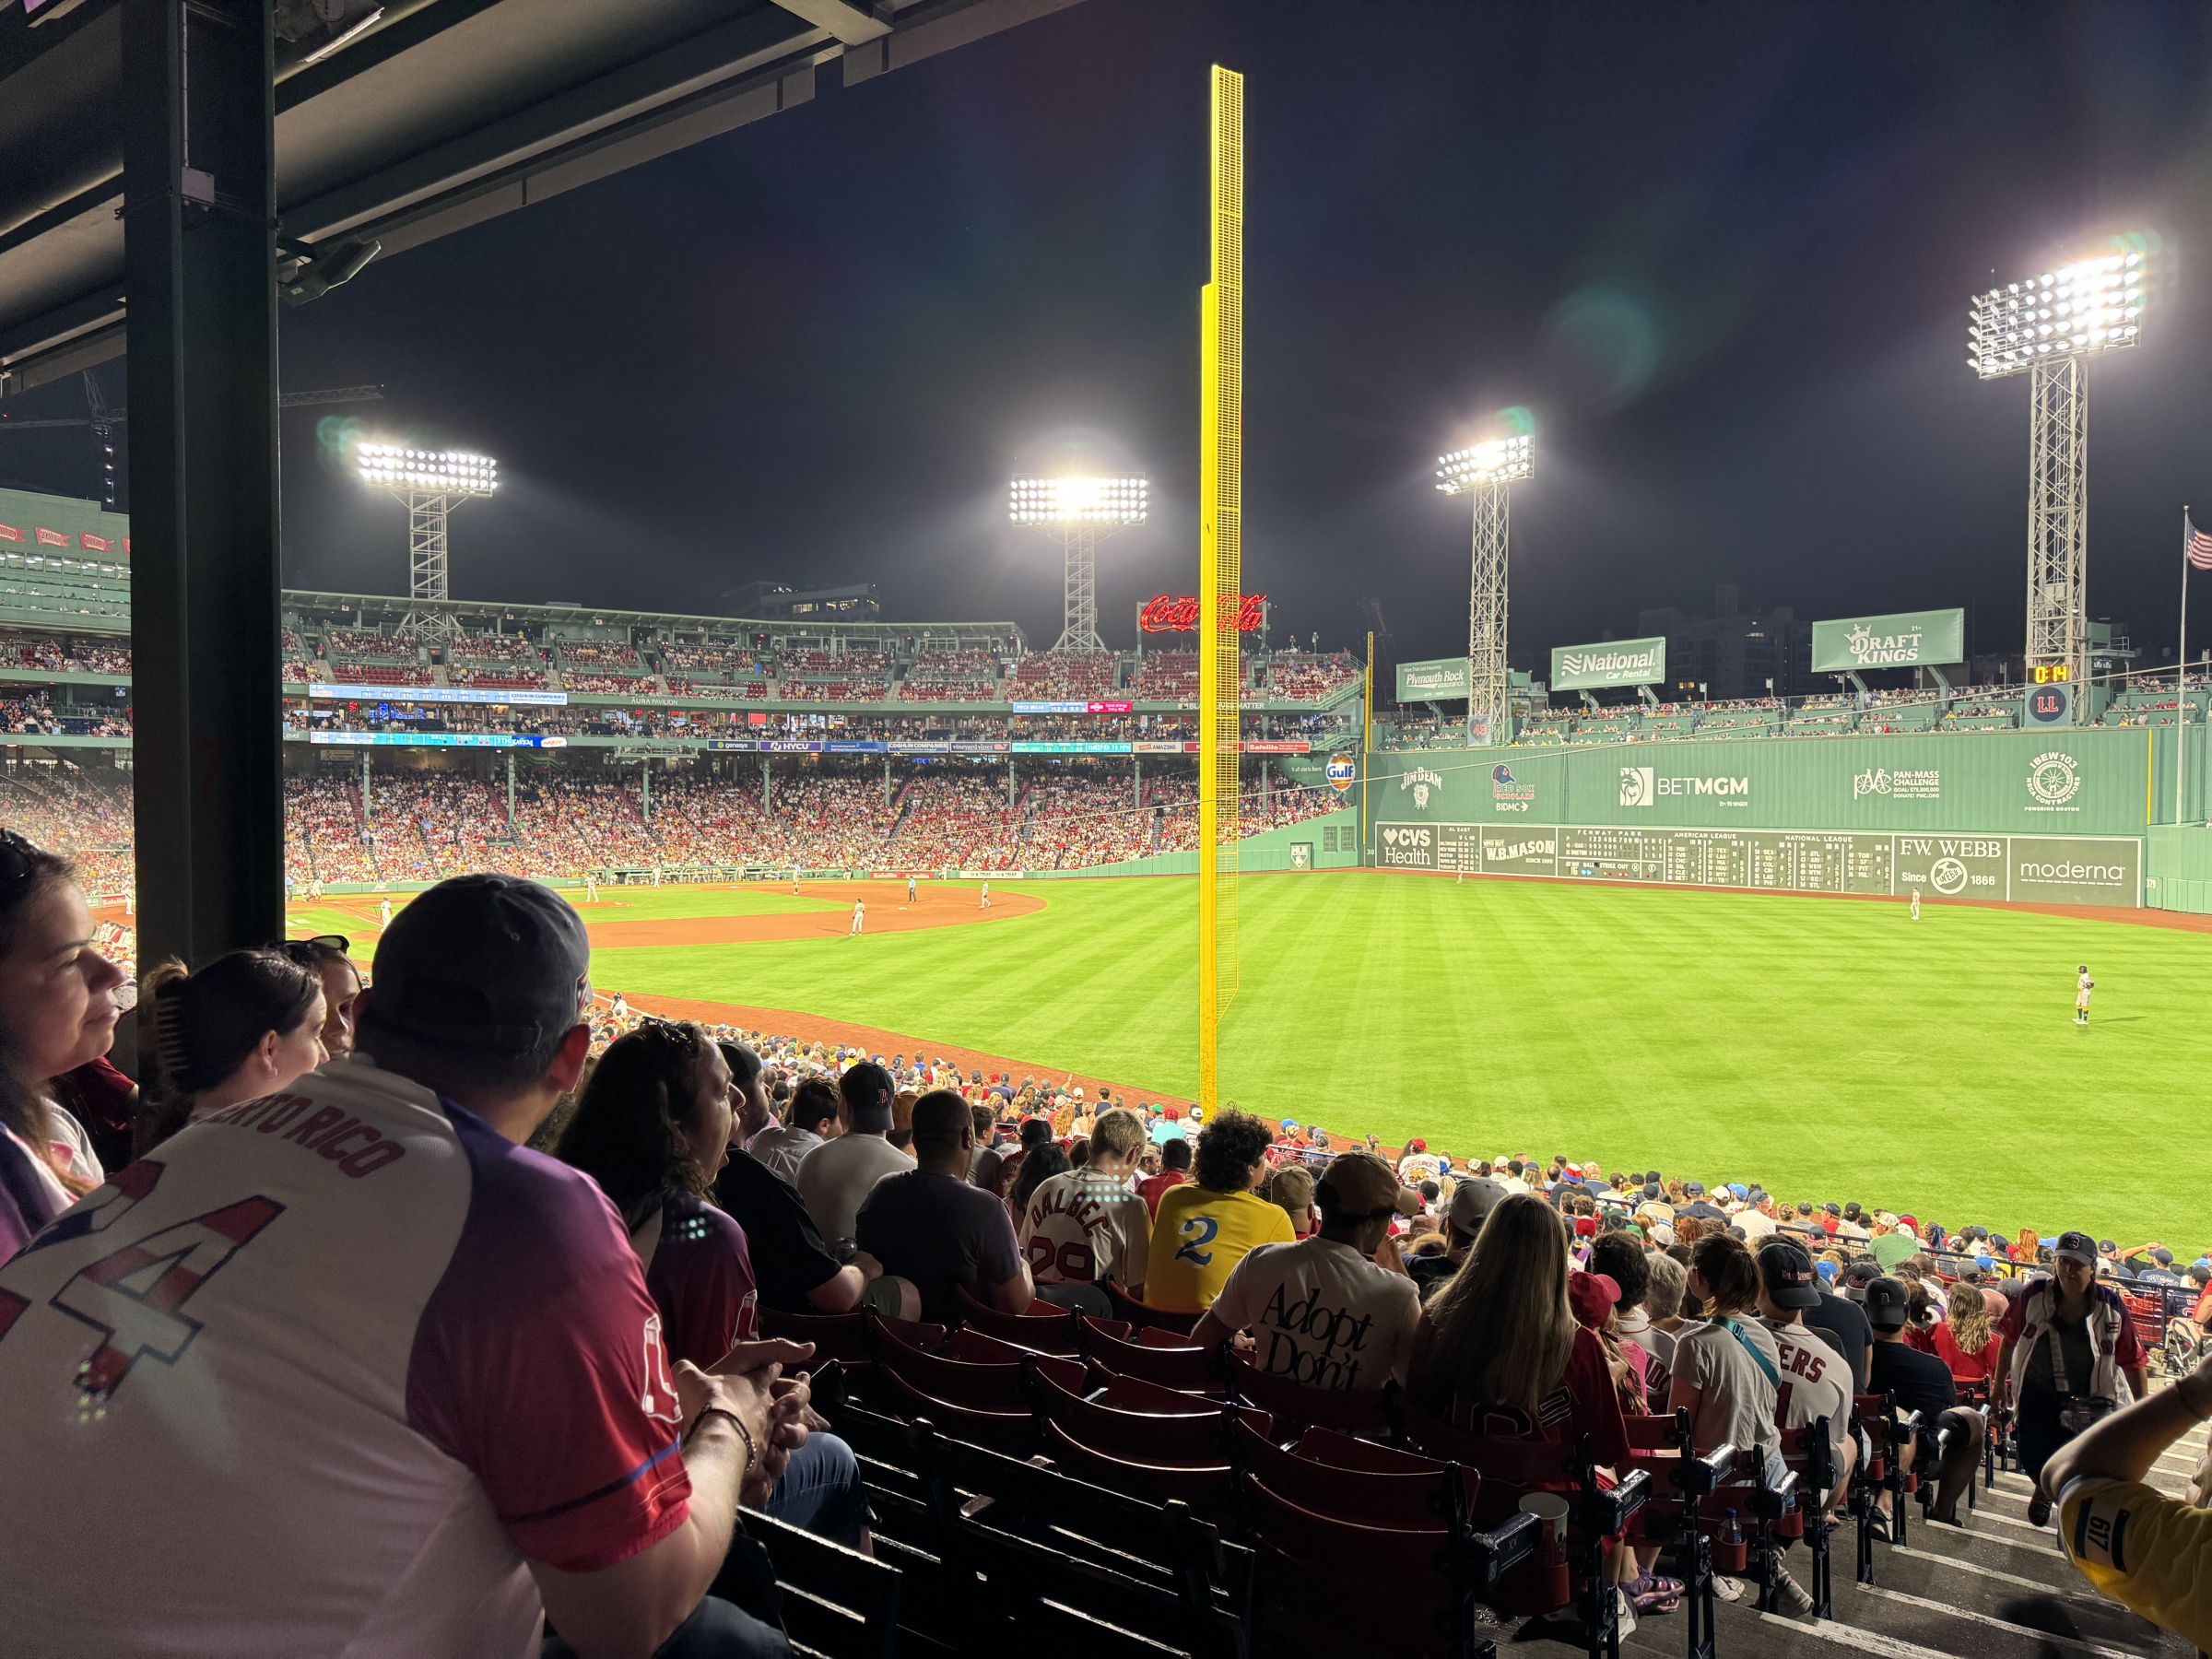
[1320,1576]
[1181,1366]
[1044,1327]
[1294,1407]
[844,1336]
[982,1380]
[1144,1315]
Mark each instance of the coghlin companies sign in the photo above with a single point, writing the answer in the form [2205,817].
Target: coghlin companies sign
[1614,663]
[1905,640]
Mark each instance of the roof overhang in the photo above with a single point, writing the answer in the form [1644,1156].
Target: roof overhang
[445,113]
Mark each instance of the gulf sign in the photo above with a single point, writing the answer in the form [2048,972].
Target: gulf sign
[1165,613]
[1342,772]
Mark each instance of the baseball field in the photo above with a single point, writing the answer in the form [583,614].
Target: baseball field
[1828,1048]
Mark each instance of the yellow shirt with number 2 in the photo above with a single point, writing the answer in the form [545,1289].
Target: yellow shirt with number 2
[1198,1236]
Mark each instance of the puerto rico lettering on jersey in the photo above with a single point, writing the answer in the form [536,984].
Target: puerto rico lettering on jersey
[353,1146]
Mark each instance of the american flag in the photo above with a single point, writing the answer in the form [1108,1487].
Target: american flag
[2196,545]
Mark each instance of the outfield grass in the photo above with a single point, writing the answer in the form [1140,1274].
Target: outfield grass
[1828,1048]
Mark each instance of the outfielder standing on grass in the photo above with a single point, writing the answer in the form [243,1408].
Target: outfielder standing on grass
[1916,904]
[2083,985]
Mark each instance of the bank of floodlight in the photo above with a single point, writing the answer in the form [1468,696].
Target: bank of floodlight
[1076,512]
[446,472]
[2082,310]
[433,484]
[1082,501]
[1499,460]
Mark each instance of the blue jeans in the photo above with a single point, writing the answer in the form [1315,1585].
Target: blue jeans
[821,1492]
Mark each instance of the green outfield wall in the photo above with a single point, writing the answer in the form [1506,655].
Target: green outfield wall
[2090,781]
[2053,818]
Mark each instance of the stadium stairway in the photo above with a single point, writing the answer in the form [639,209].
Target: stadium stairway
[1997,1589]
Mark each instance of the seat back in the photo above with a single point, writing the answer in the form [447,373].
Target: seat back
[1432,1497]
[835,1600]
[1208,1487]
[1155,1355]
[1189,1440]
[1294,1407]
[1045,1328]
[1014,1433]
[844,1336]
[1144,1314]
[990,1382]
[1319,1577]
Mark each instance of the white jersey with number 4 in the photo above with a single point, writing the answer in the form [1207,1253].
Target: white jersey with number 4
[316,1378]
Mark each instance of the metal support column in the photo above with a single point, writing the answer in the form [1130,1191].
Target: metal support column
[1010,786]
[2058,520]
[199,259]
[645,789]
[510,794]
[886,780]
[768,799]
[1486,706]
[1079,598]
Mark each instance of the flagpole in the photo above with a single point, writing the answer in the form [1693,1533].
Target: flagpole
[2180,681]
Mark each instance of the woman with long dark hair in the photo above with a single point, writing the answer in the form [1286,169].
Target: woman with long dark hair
[59,1002]
[245,1026]
[652,1129]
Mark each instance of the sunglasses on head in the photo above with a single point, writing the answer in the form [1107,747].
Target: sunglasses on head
[307,953]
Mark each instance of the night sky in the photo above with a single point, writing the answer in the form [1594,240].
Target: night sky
[1723,253]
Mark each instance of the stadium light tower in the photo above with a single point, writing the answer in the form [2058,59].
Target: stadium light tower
[1487,472]
[1079,512]
[2049,325]
[432,483]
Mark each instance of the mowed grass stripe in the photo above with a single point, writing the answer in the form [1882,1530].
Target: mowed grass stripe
[1830,1048]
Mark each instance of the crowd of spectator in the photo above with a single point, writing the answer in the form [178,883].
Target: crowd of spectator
[74,654]
[1446,1304]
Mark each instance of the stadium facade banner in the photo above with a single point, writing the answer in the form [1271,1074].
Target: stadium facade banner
[2083,781]
[1439,680]
[2037,869]
[1609,663]
[437,740]
[1903,640]
[436,694]
[1073,707]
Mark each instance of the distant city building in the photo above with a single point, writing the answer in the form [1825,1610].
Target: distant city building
[780,602]
[1731,653]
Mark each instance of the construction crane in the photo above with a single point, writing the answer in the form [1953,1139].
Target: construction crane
[103,420]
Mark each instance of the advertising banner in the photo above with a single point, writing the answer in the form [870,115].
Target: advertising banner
[1443,679]
[1613,663]
[437,740]
[444,694]
[1903,640]
[2031,869]
[2081,780]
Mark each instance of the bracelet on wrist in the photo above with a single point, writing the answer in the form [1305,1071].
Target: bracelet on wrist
[752,1448]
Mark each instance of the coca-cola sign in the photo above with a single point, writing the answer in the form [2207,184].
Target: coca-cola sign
[1165,613]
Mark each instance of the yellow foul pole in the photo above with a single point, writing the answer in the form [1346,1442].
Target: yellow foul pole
[1220,577]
